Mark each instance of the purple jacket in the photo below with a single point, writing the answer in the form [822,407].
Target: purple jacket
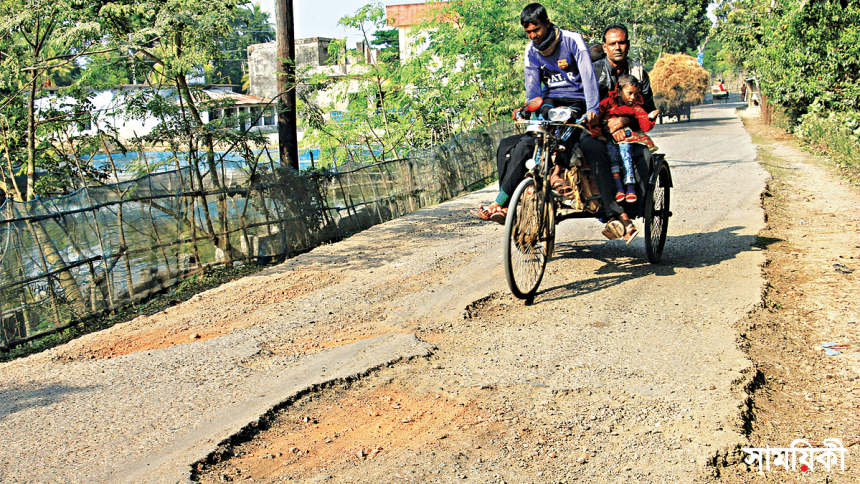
[566,73]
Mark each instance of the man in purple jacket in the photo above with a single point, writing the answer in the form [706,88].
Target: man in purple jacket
[558,69]
[557,64]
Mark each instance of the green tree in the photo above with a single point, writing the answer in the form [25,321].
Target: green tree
[40,42]
[249,25]
[806,53]
[388,40]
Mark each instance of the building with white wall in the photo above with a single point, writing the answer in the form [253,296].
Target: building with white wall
[110,109]
[408,19]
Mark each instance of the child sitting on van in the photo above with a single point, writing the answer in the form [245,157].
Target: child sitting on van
[625,101]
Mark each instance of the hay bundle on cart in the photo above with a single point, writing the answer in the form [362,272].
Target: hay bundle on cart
[678,82]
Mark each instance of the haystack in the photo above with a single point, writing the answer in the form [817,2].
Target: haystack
[678,80]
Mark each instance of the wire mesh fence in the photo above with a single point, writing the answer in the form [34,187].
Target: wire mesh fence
[65,259]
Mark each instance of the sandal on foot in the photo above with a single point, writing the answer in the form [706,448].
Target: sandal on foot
[493,212]
[630,233]
[619,197]
[481,212]
[613,230]
[560,185]
[499,215]
[630,196]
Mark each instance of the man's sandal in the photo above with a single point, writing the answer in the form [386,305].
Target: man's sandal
[630,232]
[560,185]
[493,212]
[613,230]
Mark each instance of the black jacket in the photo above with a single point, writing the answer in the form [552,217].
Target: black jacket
[608,81]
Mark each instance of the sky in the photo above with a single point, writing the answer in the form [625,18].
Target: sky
[318,18]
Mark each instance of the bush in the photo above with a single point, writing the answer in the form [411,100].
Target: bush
[835,133]
[678,80]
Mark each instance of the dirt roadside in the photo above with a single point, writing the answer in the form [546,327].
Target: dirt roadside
[812,243]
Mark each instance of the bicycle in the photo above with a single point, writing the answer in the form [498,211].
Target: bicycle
[535,208]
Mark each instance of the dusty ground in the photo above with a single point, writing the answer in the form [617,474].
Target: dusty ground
[221,311]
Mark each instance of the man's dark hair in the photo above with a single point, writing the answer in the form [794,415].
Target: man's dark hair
[534,13]
[620,27]
[628,80]
[596,52]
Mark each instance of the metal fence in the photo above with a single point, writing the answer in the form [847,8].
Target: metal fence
[65,259]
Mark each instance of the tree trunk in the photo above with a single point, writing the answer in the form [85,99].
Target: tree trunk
[223,240]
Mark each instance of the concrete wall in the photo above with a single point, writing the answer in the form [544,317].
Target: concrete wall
[262,69]
[262,63]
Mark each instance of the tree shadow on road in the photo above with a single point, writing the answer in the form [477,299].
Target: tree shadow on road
[623,263]
[14,400]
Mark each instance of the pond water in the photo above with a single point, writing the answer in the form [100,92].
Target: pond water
[164,161]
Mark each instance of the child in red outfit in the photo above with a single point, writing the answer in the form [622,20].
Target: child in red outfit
[625,101]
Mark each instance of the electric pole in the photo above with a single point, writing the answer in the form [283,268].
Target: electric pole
[288,143]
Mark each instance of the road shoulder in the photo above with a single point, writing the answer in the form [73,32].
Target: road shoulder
[812,245]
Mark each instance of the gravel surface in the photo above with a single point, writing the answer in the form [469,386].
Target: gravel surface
[620,371]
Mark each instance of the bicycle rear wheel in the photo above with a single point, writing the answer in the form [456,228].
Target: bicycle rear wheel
[529,239]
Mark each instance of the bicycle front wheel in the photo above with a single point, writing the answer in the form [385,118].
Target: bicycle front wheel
[529,239]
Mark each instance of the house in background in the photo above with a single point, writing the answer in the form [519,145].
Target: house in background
[312,57]
[413,38]
[110,107]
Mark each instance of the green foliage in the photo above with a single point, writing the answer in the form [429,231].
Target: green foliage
[655,26]
[249,25]
[834,133]
[368,116]
[41,44]
[804,52]
[388,40]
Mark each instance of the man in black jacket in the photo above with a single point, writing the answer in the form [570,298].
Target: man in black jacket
[616,46]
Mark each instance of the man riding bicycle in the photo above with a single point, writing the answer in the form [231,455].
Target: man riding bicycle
[558,69]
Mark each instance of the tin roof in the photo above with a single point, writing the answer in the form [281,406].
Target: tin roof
[238,98]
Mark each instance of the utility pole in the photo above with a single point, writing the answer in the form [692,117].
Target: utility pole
[288,143]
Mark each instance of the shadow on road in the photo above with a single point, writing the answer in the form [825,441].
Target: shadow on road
[623,263]
[19,399]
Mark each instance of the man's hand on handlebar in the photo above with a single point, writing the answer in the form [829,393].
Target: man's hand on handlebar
[520,113]
[590,117]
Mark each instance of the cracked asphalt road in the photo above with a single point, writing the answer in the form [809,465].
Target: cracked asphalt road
[620,371]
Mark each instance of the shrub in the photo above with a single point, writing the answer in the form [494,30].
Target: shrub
[834,133]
